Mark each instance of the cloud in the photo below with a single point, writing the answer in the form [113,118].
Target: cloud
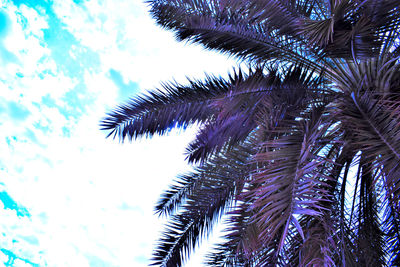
[9,203]
[126,89]
[4,24]
[5,55]
[17,111]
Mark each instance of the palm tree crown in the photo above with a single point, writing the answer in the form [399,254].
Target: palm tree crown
[300,150]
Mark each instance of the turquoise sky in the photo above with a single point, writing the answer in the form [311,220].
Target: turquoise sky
[68,196]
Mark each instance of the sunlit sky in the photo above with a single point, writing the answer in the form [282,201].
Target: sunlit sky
[68,196]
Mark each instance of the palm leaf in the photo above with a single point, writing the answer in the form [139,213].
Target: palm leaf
[290,184]
[233,28]
[203,197]
[172,105]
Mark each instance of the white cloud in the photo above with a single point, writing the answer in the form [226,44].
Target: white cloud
[25,43]
[126,38]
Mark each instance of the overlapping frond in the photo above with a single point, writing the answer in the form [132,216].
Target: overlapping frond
[374,123]
[369,235]
[353,29]
[241,246]
[289,184]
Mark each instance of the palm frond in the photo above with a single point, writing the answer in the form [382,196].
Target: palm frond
[239,110]
[377,132]
[369,234]
[203,196]
[391,227]
[172,105]
[213,137]
[245,31]
[289,185]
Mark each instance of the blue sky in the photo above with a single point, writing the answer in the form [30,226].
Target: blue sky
[68,196]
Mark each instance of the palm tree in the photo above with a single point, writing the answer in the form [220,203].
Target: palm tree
[299,150]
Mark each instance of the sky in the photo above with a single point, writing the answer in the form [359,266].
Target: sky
[68,195]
